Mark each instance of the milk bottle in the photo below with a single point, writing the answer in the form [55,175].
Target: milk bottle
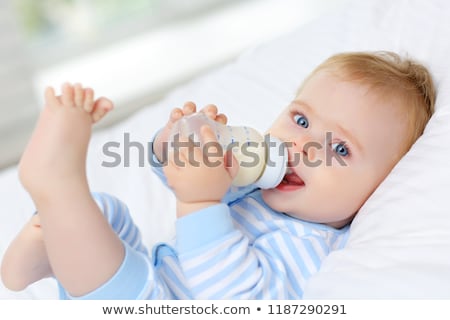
[262,160]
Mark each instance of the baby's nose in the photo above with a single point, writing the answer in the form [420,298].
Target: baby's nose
[305,149]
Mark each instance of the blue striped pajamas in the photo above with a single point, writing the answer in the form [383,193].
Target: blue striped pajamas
[240,249]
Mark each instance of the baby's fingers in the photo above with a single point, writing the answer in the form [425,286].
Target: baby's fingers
[175,115]
[208,135]
[221,118]
[170,169]
[189,108]
[213,151]
[211,111]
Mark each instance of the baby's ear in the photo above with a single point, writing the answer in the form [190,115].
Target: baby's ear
[231,164]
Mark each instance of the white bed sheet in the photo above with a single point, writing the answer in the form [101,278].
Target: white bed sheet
[399,244]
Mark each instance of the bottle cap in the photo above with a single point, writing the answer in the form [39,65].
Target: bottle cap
[276,163]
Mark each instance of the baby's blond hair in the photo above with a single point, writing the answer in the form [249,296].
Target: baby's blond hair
[392,77]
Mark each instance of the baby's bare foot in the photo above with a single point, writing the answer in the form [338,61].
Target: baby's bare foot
[85,98]
[26,261]
[56,152]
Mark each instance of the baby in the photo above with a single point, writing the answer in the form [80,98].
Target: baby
[350,122]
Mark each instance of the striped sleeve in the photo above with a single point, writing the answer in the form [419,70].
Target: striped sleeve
[227,266]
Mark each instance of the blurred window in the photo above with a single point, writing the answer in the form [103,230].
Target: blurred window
[59,29]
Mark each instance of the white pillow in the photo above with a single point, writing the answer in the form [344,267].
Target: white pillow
[399,244]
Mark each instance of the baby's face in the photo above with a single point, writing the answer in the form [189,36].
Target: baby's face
[343,141]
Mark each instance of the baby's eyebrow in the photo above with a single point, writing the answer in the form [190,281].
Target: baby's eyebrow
[350,137]
[304,105]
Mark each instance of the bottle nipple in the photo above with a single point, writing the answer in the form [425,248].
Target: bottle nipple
[276,163]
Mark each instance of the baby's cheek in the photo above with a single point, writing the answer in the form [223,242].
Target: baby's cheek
[360,190]
[341,188]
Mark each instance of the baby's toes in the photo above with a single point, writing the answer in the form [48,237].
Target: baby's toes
[67,95]
[78,95]
[100,108]
[88,103]
[50,99]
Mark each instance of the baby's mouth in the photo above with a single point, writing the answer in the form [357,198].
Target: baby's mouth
[291,181]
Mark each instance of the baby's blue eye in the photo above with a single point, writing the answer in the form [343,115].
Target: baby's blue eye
[301,120]
[340,148]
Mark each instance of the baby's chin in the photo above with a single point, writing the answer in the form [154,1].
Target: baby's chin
[315,214]
[269,198]
[275,200]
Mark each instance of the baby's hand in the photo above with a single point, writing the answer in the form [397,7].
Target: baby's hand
[199,176]
[176,114]
[211,111]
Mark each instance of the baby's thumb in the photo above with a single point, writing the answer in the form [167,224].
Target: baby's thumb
[231,164]
[207,134]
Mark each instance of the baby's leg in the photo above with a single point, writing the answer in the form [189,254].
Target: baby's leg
[26,260]
[82,249]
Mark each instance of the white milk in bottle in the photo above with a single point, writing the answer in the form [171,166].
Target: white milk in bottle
[262,160]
